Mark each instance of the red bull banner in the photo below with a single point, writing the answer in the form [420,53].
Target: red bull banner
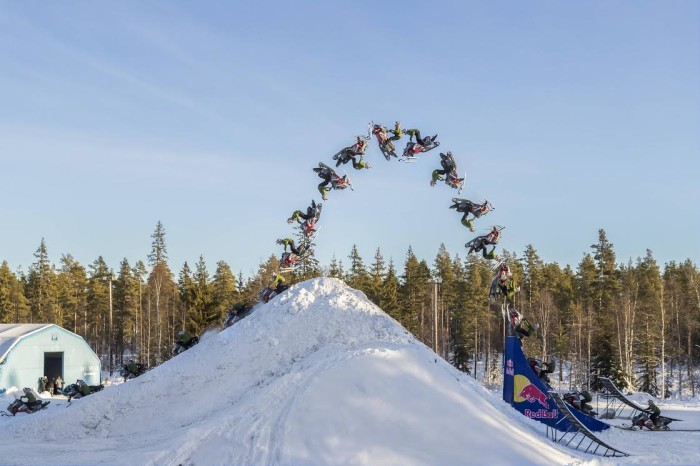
[524,391]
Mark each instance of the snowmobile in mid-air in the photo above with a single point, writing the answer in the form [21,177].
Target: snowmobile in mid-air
[336,181]
[412,149]
[450,171]
[19,406]
[290,259]
[386,145]
[478,243]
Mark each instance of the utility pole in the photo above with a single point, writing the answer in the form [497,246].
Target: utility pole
[110,325]
[435,314]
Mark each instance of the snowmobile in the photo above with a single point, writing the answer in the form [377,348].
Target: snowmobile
[643,420]
[348,153]
[337,182]
[127,374]
[579,401]
[386,146]
[465,205]
[413,149]
[72,391]
[452,178]
[454,181]
[500,282]
[181,347]
[478,243]
[237,313]
[289,259]
[268,293]
[19,406]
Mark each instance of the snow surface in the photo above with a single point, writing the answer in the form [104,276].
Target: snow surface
[319,375]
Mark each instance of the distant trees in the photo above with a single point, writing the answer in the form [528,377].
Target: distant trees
[637,323]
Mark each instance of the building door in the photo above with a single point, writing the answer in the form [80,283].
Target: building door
[53,367]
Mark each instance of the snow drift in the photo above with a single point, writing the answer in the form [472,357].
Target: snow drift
[319,375]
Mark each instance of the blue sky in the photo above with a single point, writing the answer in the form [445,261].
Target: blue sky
[208,116]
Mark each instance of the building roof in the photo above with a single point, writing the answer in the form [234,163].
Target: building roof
[11,334]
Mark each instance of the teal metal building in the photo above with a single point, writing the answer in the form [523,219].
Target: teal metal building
[29,351]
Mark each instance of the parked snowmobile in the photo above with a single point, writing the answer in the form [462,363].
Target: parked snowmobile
[19,406]
[127,373]
[643,420]
[580,400]
[73,390]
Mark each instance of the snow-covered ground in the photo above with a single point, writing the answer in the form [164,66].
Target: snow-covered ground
[317,376]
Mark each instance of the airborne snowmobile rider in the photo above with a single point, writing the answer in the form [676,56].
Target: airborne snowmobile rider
[469,207]
[448,168]
[518,324]
[312,212]
[427,141]
[350,153]
[480,242]
[289,242]
[329,176]
[503,283]
[397,132]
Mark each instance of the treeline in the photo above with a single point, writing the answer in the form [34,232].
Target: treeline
[634,323]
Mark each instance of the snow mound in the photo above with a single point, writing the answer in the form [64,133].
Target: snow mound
[319,375]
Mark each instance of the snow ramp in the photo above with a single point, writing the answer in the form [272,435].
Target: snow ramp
[319,375]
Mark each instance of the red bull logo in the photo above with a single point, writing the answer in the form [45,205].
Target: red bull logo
[533,394]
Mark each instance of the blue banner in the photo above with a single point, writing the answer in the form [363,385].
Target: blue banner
[527,393]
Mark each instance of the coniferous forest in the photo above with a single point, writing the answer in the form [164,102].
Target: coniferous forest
[638,323]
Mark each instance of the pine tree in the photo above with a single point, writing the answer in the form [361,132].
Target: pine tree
[13,304]
[72,293]
[606,357]
[357,276]
[336,269]
[41,287]
[162,300]
[224,291]
[198,319]
[97,318]
[376,279]
[307,266]
[389,296]
[124,305]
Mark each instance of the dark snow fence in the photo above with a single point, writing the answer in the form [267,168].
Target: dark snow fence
[576,429]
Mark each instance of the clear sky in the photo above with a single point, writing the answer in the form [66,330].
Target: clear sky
[208,116]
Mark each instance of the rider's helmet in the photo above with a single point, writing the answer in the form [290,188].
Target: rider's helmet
[130,361]
[27,390]
[279,241]
[650,402]
[181,333]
